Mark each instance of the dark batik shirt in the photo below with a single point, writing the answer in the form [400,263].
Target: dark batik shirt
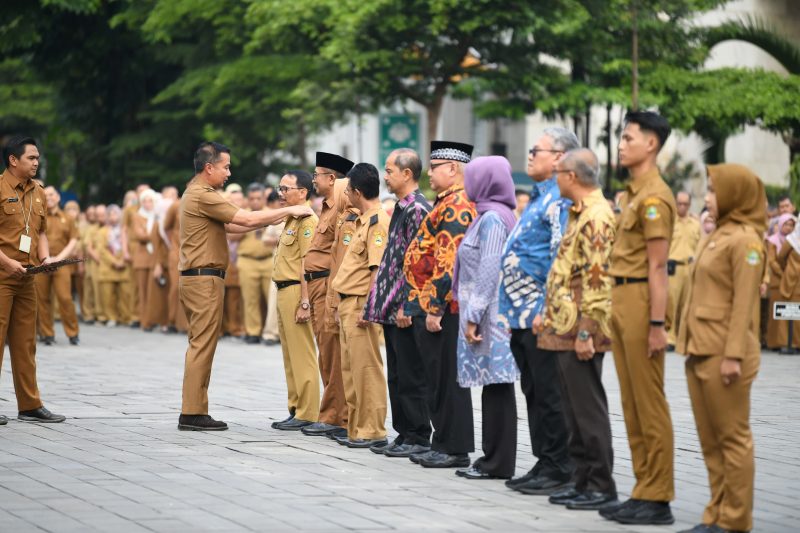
[391,289]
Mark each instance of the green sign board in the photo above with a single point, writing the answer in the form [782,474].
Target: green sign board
[398,131]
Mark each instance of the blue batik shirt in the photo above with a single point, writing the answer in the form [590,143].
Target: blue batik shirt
[529,253]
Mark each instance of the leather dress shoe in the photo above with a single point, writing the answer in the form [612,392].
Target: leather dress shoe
[609,512]
[40,415]
[317,429]
[295,424]
[473,472]
[381,448]
[338,432]
[275,424]
[48,341]
[532,473]
[444,460]
[415,457]
[646,513]
[365,443]
[342,439]
[542,486]
[251,339]
[405,450]
[591,501]
[704,528]
[75,341]
[3,420]
[271,342]
[561,497]
[200,423]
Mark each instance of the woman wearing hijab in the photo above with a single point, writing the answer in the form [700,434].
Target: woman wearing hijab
[484,353]
[719,334]
[158,283]
[113,272]
[143,257]
[789,288]
[777,330]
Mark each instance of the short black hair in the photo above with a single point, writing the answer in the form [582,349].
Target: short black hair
[208,152]
[16,147]
[364,177]
[255,187]
[784,198]
[304,180]
[652,122]
[273,196]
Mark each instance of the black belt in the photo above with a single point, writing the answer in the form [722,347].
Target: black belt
[204,272]
[628,281]
[311,276]
[287,283]
[346,296]
[255,258]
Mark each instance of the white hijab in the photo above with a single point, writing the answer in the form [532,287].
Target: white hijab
[794,238]
[149,214]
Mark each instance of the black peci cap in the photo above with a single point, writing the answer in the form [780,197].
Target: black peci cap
[334,162]
[451,151]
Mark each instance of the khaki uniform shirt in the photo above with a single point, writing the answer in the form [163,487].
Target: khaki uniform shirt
[18,199]
[251,246]
[345,229]
[648,212]
[719,317]
[293,247]
[61,229]
[319,254]
[204,213]
[364,253]
[684,239]
[106,270]
[128,215]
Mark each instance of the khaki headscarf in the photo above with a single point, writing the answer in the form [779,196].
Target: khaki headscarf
[740,196]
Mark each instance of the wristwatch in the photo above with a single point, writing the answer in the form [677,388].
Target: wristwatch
[304,306]
[583,335]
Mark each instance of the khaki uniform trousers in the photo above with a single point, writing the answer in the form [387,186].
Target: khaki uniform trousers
[134,296]
[722,416]
[90,306]
[157,310]
[333,406]
[141,287]
[677,282]
[270,331]
[644,403]
[96,297]
[117,300]
[202,298]
[176,314]
[362,373]
[59,282]
[255,280]
[232,318]
[18,329]
[299,357]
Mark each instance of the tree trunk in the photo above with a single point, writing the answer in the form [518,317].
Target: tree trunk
[434,109]
[609,154]
[635,58]
[301,144]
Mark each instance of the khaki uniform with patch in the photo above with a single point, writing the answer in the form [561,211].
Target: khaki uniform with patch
[648,212]
[297,339]
[681,254]
[362,365]
[254,261]
[61,230]
[114,276]
[129,214]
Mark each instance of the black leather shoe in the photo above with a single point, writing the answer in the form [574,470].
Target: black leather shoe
[561,497]
[3,420]
[75,341]
[532,473]
[591,501]
[338,432]
[474,472]
[200,423]
[704,528]
[136,324]
[366,443]
[542,486]
[274,425]
[609,512]
[444,460]
[646,513]
[252,339]
[295,424]
[49,341]
[342,439]
[380,448]
[317,429]
[415,457]
[405,450]
[40,415]
[271,342]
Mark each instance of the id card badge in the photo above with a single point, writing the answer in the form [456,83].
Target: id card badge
[25,244]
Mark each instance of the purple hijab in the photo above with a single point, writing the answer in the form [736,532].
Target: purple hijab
[488,183]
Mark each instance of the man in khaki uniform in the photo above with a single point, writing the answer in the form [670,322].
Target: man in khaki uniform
[639,307]
[294,307]
[23,243]
[254,261]
[205,217]
[93,262]
[333,406]
[62,237]
[88,298]
[681,254]
[362,366]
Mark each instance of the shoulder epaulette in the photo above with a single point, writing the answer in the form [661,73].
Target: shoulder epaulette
[373,220]
[351,217]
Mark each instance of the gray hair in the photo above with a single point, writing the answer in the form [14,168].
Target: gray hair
[406,158]
[584,163]
[562,138]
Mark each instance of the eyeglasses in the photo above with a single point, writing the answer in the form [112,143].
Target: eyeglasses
[437,165]
[284,189]
[315,174]
[533,151]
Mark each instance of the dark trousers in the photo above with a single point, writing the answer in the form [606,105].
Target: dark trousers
[586,410]
[405,376]
[542,389]
[450,406]
[499,430]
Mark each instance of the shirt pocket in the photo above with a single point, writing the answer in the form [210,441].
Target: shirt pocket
[359,247]
[711,313]
[288,240]
[10,208]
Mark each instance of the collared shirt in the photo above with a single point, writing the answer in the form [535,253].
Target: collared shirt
[252,246]
[363,254]
[648,212]
[61,229]
[293,246]
[430,259]
[204,213]
[319,253]
[578,286]
[391,289]
[19,200]
[685,238]
[528,254]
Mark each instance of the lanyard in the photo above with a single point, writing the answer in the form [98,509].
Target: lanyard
[26,220]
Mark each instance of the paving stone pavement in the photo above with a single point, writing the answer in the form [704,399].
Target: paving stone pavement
[120,464]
